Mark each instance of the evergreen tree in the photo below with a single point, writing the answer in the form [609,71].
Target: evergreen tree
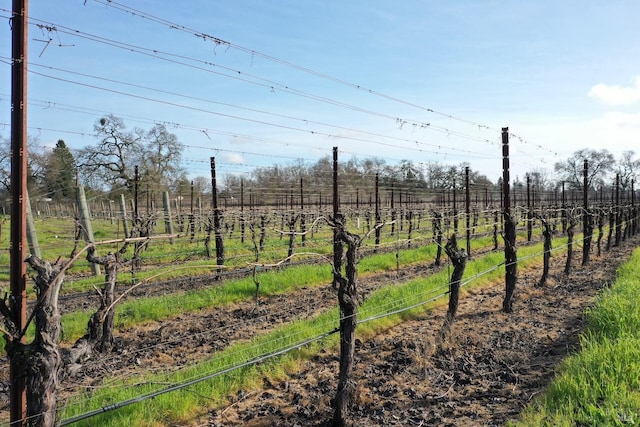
[60,172]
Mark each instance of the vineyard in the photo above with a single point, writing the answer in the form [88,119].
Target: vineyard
[198,313]
[193,253]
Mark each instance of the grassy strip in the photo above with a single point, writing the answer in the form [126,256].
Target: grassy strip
[600,385]
[272,282]
[55,241]
[180,408]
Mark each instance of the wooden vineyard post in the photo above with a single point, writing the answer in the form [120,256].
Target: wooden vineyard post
[136,182]
[378,219]
[85,221]
[496,223]
[242,224]
[393,211]
[137,223]
[123,210]
[168,223]
[192,223]
[618,213]
[458,258]
[510,250]
[634,211]
[348,302]
[32,235]
[110,211]
[338,246]
[587,226]
[217,220]
[529,213]
[455,208]
[467,209]
[563,211]
[303,218]
[437,236]
[409,217]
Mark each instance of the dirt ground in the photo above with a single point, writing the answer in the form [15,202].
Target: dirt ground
[488,369]
[484,374]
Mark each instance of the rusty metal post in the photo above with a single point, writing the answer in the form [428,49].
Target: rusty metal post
[510,251]
[618,212]
[217,219]
[338,246]
[18,269]
[377,212]
[529,213]
[455,209]
[634,213]
[587,227]
[467,209]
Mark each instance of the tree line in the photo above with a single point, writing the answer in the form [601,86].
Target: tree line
[108,167]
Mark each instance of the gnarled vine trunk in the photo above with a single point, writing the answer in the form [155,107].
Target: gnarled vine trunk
[546,232]
[570,228]
[348,301]
[99,336]
[458,258]
[40,361]
[102,321]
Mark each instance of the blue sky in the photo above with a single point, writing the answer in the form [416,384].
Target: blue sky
[562,76]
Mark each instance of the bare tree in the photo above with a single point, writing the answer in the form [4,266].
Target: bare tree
[36,164]
[159,156]
[157,153]
[111,157]
[628,169]
[601,163]
[540,179]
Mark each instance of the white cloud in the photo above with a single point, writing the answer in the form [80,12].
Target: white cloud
[622,120]
[617,95]
[614,131]
[233,158]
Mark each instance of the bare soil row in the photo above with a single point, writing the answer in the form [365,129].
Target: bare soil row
[490,368]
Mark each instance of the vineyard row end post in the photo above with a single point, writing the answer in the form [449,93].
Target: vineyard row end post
[510,251]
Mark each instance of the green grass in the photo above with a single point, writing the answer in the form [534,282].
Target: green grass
[272,282]
[180,407]
[600,385]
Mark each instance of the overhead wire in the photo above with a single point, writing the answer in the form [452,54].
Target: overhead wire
[280,115]
[398,120]
[253,52]
[220,41]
